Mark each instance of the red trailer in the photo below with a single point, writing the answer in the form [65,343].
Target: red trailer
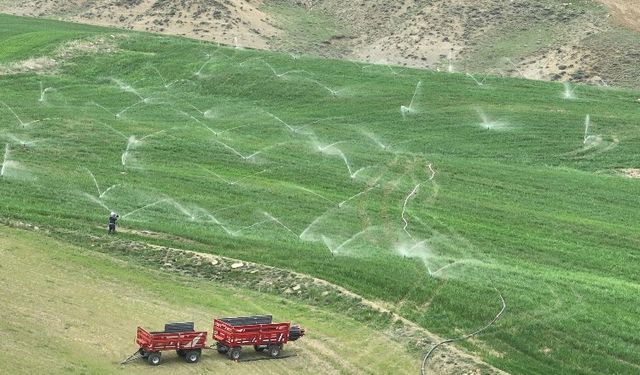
[177,336]
[260,332]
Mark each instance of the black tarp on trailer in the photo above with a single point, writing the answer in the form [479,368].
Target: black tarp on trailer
[178,327]
[248,320]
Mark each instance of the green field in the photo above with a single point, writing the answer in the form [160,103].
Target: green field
[421,190]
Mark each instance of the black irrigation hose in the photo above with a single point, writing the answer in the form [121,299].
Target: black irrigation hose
[465,337]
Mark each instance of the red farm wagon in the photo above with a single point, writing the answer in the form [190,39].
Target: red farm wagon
[231,334]
[176,336]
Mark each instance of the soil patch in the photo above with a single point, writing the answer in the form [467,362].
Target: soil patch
[625,12]
[66,51]
[631,172]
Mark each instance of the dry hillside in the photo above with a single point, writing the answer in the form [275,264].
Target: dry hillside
[578,41]
[225,21]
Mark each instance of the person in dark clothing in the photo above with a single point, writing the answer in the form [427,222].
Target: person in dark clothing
[112,222]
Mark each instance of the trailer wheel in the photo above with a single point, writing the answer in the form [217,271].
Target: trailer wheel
[143,354]
[154,358]
[192,356]
[274,350]
[181,352]
[234,354]
[259,348]
[222,349]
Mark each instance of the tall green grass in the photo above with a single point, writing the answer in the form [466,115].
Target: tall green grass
[526,206]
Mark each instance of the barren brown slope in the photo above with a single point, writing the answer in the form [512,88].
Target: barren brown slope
[549,40]
[230,21]
[538,40]
[627,12]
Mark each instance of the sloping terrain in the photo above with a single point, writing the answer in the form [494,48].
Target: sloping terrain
[428,194]
[225,21]
[69,310]
[626,12]
[549,40]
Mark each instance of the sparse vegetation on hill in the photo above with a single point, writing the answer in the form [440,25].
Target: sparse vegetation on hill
[422,191]
[561,41]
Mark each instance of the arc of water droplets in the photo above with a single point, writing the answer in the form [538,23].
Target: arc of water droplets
[43,91]
[101,194]
[145,207]
[280,75]
[375,139]
[353,238]
[475,80]
[404,110]
[332,91]
[415,93]
[328,243]
[247,157]
[131,143]
[216,133]
[271,217]
[314,222]
[235,233]
[4,160]
[282,122]
[357,195]
[164,81]
[587,123]
[97,201]
[21,141]
[314,193]
[23,124]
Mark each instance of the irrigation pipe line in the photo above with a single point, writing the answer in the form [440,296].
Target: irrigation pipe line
[465,337]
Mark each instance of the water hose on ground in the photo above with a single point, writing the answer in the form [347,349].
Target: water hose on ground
[465,337]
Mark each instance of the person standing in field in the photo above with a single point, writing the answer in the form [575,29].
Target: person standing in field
[112,222]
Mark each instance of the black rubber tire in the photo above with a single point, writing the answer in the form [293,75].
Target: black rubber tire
[234,354]
[274,350]
[181,352]
[222,349]
[259,348]
[143,354]
[192,356]
[154,358]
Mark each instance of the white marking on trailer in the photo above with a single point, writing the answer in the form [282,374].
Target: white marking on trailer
[195,340]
